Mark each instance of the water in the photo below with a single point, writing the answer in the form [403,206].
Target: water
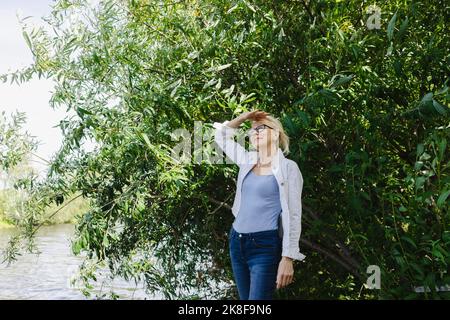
[47,275]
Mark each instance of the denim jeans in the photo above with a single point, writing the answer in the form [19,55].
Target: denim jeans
[254,260]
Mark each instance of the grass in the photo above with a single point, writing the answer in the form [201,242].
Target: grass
[10,197]
[4,224]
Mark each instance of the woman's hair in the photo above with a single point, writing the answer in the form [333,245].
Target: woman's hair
[283,137]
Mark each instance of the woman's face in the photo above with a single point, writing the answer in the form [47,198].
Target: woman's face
[264,138]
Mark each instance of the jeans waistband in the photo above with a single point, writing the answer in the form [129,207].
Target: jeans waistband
[255,234]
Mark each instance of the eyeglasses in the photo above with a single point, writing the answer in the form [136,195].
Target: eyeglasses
[257,129]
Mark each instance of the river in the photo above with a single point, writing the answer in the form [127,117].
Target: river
[47,275]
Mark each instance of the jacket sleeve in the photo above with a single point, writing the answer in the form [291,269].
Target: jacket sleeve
[295,186]
[224,137]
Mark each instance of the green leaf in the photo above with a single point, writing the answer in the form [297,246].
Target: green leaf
[342,80]
[96,58]
[228,91]
[222,67]
[173,92]
[76,248]
[390,49]
[218,84]
[420,181]
[403,27]
[427,98]
[442,147]
[438,254]
[209,83]
[361,236]
[391,25]
[304,117]
[417,268]
[82,111]
[442,198]
[193,55]
[336,168]
[290,124]
[249,6]
[420,149]
[398,68]
[418,165]
[425,156]
[174,84]
[232,9]
[409,240]
[439,107]
[27,39]
[147,140]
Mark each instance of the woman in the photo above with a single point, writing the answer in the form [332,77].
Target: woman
[264,237]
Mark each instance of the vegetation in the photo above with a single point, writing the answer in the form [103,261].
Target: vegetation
[11,201]
[366,108]
[16,151]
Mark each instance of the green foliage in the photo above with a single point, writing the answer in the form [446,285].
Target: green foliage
[366,110]
[11,201]
[15,145]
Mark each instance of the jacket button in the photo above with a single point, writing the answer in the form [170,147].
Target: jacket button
[282,183]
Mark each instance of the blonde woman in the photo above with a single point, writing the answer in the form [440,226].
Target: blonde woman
[264,237]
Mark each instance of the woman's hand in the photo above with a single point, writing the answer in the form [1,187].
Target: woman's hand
[255,115]
[285,274]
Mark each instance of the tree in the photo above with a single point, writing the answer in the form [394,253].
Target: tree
[366,111]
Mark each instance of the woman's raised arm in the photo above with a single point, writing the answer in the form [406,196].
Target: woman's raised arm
[225,131]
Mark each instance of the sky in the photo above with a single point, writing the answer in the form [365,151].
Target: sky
[31,97]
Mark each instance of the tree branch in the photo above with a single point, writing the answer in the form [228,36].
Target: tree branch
[332,256]
[220,203]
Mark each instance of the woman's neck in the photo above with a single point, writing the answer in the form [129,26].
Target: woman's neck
[266,155]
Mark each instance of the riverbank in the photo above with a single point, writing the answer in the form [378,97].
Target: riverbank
[5,224]
[68,211]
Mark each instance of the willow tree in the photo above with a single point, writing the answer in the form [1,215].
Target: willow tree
[362,92]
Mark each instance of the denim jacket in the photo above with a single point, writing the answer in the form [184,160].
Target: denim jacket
[290,184]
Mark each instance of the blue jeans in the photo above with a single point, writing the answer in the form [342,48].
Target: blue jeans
[254,260]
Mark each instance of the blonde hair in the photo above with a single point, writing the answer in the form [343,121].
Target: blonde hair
[283,138]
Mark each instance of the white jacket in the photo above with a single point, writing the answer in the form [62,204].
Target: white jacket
[290,184]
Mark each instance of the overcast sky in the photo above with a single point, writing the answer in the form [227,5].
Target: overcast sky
[32,97]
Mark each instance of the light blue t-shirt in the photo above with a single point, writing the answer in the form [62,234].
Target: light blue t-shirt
[260,204]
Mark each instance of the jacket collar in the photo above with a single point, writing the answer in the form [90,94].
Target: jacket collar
[279,158]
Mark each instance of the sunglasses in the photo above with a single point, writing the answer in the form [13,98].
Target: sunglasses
[257,129]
